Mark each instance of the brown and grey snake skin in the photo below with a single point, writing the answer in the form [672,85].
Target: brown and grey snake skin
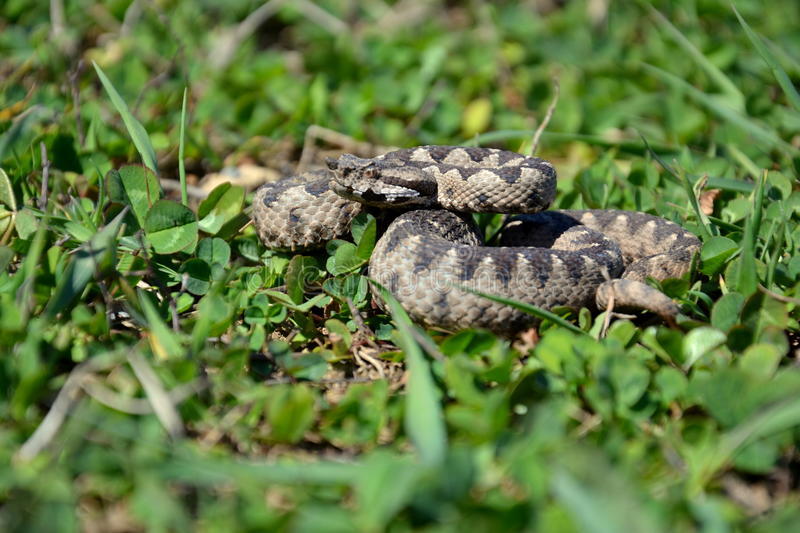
[570,258]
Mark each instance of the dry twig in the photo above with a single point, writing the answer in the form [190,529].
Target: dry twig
[547,116]
[162,404]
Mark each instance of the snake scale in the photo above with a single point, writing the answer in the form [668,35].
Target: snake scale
[432,250]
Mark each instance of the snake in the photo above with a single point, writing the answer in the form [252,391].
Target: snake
[433,259]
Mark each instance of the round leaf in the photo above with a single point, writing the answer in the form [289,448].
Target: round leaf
[715,252]
[171,227]
[136,186]
[222,205]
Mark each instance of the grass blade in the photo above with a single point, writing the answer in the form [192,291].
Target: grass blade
[20,125]
[188,467]
[424,420]
[719,78]
[527,308]
[627,145]
[7,197]
[135,129]
[777,70]
[747,279]
[181,164]
[746,123]
[768,421]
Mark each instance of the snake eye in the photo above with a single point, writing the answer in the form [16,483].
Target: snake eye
[368,173]
[332,163]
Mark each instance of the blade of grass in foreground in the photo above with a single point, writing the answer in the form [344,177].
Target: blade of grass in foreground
[768,421]
[181,164]
[211,471]
[135,129]
[527,308]
[780,75]
[746,123]
[683,180]
[424,420]
[747,278]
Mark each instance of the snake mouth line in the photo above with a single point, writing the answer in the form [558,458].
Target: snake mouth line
[390,195]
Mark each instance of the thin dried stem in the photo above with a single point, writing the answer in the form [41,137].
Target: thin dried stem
[137,406]
[45,177]
[547,116]
[65,401]
[76,100]
[157,395]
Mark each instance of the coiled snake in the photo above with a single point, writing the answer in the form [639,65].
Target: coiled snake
[432,249]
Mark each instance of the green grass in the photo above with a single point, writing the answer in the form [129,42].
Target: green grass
[163,371]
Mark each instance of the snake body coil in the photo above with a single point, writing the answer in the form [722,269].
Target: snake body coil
[432,250]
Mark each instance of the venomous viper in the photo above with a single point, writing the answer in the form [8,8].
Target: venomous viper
[432,250]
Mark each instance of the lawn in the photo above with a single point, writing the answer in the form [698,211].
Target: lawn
[163,371]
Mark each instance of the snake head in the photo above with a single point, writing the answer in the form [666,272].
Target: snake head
[372,182]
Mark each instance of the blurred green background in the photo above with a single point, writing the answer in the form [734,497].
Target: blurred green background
[394,73]
[648,429]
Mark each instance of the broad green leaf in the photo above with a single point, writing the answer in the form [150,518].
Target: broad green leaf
[7,191]
[136,186]
[135,129]
[311,366]
[353,286]
[726,310]
[761,360]
[26,223]
[340,337]
[385,485]
[715,253]
[630,381]
[671,383]
[345,259]
[300,273]
[171,227]
[217,253]
[699,342]
[359,225]
[197,276]
[221,206]
[232,227]
[290,412]
[364,235]
[214,250]
[213,318]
